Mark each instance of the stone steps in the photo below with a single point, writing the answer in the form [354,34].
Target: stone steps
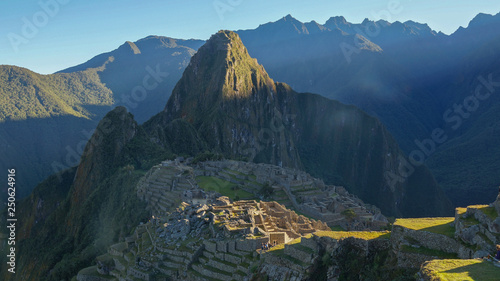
[209,273]
[207,254]
[222,265]
[164,178]
[311,193]
[169,271]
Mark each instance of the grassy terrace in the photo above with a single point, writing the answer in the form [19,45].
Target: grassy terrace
[223,187]
[461,270]
[470,221]
[486,209]
[367,235]
[442,226]
[282,246]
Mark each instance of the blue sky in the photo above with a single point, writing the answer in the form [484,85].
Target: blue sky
[49,35]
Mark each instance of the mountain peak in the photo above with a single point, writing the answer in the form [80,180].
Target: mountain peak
[483,20]
[221,70]
[337,20]
[289,18]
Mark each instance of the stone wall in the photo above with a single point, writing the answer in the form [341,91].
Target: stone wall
[425,239]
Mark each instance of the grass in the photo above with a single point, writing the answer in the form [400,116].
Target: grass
[367,235]
[222,186]
[304,248]
[236,172]
[337,228]
[442,226]
[428,252]
[461,270]
[491,212]
[469,221]
[293,242]
[224,262]
[211,268]
[281,253]
[196,273]
[460,210]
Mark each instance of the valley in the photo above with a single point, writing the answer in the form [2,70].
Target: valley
[172,159]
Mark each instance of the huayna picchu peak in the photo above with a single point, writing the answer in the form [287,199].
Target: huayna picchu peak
[221,71]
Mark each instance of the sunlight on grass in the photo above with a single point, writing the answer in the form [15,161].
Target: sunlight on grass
[491,212]
[460,210]
[461,270]
[442,226]
[367,235]
[223,187]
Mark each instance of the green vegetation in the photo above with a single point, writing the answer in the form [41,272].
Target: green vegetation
[460,270]
[266,191]
[211,268]
[349,214]
[337,228]
[293,242]
[428,252]
[223,187]
[366,235]
[491,212]
[207,156]
[469,221]
[442,226]
[25,94]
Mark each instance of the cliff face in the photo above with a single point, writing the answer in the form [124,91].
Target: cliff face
[229,104]
[101,156]
[71,216]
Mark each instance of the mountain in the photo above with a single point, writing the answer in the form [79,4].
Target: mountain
[142,74]
[45,120]
[409,78]
[227,103]
[405,74]
[360,64]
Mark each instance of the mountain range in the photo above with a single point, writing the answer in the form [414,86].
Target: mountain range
[412,78]
[225,102]
[46,120]
[406,74]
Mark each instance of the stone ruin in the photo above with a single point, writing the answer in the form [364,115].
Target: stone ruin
[297,189]
[214,241]
[166,185]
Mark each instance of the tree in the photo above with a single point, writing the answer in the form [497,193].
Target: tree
[349,214]
[266,191]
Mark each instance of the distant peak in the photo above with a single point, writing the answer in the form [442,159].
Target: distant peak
[129,47]
[365,21]
[337,19]
[289,18]
[221,69]
[483,19]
